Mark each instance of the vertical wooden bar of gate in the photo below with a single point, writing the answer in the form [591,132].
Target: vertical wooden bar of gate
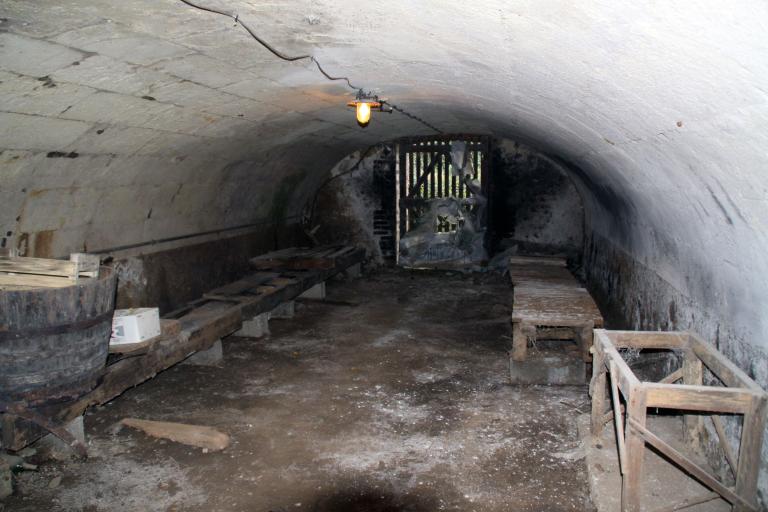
[438,171]
[404,169]
[432,177]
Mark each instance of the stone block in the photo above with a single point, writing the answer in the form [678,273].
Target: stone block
[317,292]
[550,368]
[53,447]
[256,327]
[33,57]
[284,310]
[18,131]
[211,357]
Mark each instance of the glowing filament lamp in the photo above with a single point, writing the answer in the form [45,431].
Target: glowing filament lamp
[364,104]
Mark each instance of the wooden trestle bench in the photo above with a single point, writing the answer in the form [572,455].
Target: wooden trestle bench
[190,329]
[632,398]
[546,295]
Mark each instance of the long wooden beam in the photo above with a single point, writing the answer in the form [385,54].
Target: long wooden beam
[698,398]
[690,502]
[648,339]
[729,455]
[626,378]
[721,366]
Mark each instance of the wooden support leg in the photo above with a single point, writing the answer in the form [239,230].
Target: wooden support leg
[635,452]
[693,424]
[519,342]
[597,392]
[584,339]
[18,432]
[749,453]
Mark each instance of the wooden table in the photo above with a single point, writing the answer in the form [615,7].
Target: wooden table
[556,306]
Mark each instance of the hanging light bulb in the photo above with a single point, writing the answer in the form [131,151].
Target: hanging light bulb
[363,113]
[364,104]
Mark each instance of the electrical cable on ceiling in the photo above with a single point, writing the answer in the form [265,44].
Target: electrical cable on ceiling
[294,58]
[415,118]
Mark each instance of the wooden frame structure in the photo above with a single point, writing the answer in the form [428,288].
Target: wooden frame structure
[192,328]
[740,395]
[547,295]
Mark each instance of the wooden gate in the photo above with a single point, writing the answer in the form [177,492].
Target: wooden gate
[425,173]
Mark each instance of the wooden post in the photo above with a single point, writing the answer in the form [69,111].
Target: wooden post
[749,452]
[597,391]
[635,450]
[693,424]
[519,342]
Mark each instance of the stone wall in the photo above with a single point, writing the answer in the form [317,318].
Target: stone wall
[170,278]
[535,207]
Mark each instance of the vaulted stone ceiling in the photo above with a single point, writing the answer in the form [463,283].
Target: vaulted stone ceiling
[181,123]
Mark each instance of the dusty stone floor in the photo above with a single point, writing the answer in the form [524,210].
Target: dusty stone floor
[400,403]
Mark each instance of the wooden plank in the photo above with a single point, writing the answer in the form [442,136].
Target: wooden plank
[200,436]
[537,260]
[555,307]
[698,398]
[42,266]
[627,379]
[690,502]
[543,276]
[753,428]
[597,392]
[80,265]
[693,375]
[648,339]
[618,420]
[21,281]
[721,366]
[691,467]
[635,450]
[726,445]
[183,310]
[293,263]
[249,282]
[17,432]
[519,342]
[672,377]
[321,257]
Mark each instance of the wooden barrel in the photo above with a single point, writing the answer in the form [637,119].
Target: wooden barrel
[54,341]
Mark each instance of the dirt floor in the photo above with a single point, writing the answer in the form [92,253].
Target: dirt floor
[398,401]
